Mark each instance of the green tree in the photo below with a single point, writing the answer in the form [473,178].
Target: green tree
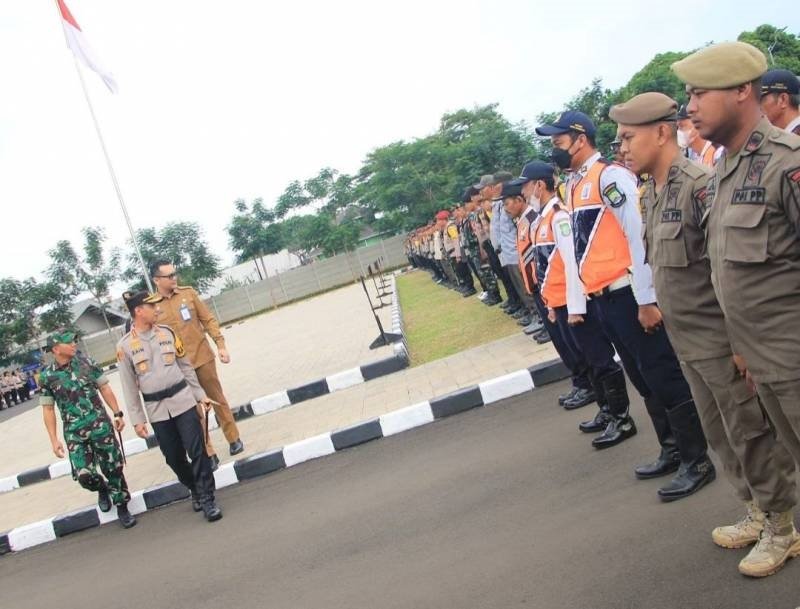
[94,271]
[183,244]
[781,47]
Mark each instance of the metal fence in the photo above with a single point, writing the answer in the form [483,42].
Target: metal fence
[295,284]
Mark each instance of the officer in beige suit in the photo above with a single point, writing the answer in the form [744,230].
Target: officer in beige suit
[674,202]
[153,363]
[753,242]
[182,310]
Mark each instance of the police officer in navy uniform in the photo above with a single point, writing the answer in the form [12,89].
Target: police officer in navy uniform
[780,99]
[603,199]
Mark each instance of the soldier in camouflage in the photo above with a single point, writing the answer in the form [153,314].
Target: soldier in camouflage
[75,383]
[472,233]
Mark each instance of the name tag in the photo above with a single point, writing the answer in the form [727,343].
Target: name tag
[186,314]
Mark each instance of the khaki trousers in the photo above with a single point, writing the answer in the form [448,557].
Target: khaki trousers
[757,464]
[209,381]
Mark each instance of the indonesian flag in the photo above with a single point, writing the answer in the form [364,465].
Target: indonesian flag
[80,47]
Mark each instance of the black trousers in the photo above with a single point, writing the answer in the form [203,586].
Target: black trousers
[566,347]
[649,357]
[178,437]
[463,273]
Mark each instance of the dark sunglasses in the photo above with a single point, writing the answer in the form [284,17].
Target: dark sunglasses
[170,276]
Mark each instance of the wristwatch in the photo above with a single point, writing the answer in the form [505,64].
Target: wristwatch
[119,414]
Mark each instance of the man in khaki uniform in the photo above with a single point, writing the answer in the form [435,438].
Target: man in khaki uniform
[674,202]
[182,310]
[753,243]
[153,363]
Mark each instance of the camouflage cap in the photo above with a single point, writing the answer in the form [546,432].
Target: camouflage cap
[62,337]
[721,66]
[645,108]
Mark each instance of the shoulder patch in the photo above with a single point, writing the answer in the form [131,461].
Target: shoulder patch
[673,172]
[794,175]
[614,195]
[564,228]
[754,142]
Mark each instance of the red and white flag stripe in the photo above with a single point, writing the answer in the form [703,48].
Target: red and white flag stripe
[77,43]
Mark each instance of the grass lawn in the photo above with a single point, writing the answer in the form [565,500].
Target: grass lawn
[440,322]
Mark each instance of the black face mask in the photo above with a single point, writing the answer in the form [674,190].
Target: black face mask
[562,158]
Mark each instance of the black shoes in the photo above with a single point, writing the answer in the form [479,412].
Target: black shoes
[667,462]
[197,503]
[214,462]
[126,519]
[469,292]
[581,398]
[696,469]
[567,396]
[103,500]
[689,480]
[542,337]
[618,430]
[598,423]
[237,447]
[211,510]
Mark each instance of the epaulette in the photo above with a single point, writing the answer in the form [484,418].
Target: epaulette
[785,138]
[695,170]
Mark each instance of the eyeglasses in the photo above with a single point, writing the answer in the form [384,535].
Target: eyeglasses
[170,276]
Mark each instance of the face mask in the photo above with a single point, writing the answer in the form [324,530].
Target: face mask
[683,139]
[535,202]
[562,158]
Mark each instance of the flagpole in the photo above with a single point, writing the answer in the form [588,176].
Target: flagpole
[110,166]
[145,273]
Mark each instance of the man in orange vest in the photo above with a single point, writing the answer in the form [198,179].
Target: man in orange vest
[523,204]
[603,199]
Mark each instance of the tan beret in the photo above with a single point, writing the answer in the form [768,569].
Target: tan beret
[721,66]
[645,108]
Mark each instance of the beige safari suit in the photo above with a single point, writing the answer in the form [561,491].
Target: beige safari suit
[193,334]
[757,465]
[753,233]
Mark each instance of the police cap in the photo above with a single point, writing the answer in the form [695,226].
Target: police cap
[511,189]
[721,66]
[135,299]
[644,109]
[571,120]
[534,170]
[780,81]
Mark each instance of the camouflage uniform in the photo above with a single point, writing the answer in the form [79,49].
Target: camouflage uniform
[88,431]
[472,248]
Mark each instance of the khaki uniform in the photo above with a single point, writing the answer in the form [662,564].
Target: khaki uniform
[190,318]
[753,233]
[150,362]
[758,466]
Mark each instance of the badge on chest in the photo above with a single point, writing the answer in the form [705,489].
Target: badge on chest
[186,314]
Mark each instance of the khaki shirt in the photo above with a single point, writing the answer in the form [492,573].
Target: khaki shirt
[753,234]
[675,250]
[192,331]
[153,361]
[450,236]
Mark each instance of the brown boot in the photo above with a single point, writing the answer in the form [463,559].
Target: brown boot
[779,542]
[742,533]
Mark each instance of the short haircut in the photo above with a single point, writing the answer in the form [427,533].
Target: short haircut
[549,183]
[590,138]
[756,84]
[157,264]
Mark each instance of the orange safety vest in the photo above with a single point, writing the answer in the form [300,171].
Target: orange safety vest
[525,249]
[707,158]
[601,249]
[549,263]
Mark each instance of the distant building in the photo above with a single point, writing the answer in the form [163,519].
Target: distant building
[87,316]
[254,270]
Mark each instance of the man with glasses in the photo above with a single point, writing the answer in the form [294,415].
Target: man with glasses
[188,316]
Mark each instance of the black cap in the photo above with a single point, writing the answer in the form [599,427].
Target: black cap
[135,299]
[682,113]
[534,170]
[511,189]
[469,192]
[780,81]
[571,120]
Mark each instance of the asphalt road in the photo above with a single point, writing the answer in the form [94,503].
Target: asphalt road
[9,413]
[504,506]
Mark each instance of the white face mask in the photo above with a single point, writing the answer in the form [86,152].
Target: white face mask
[535,202]
[683,139]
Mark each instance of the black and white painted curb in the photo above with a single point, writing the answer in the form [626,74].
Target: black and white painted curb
[263,405]
[483,394]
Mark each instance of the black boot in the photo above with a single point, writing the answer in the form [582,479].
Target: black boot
[103,500]
[197,502]
[567,396]
[582,397]
[126,519]
[621,427]
[669,460]
[211,510]
[603,417]
[696,469]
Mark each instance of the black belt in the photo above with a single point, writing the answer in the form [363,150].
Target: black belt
[164,393]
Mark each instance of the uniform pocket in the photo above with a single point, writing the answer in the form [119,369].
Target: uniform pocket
[141,363]
[669,248]
[747,420]
[746,233]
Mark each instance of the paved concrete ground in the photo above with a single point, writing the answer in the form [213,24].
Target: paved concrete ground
[504,506]
[306,419]
[293,345]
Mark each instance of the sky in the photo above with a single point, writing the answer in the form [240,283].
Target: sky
[220,101]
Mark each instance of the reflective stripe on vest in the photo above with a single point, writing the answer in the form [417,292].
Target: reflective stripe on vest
[549,264]
[601,249]
[525,250]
